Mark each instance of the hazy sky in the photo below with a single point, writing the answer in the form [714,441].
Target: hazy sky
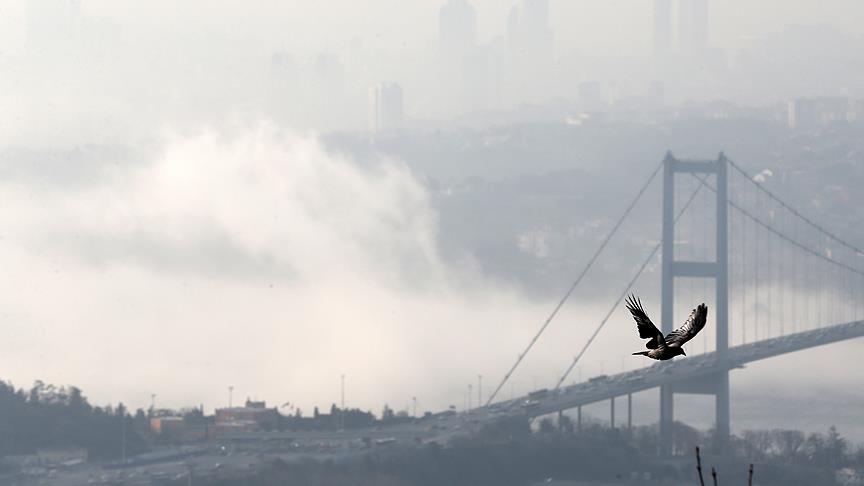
[597,25]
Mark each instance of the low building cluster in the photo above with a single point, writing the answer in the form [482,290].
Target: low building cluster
[195,426]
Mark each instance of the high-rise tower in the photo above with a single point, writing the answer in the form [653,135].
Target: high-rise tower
[385,107]
[457,28]
[662,28]
[693,26]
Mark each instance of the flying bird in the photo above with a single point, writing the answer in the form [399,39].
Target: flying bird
[663,348]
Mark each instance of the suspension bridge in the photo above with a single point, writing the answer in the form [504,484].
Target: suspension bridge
[784,281]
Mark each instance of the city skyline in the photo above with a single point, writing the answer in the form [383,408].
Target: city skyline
[579,24]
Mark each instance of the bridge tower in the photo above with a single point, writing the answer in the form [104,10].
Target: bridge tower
[717,385]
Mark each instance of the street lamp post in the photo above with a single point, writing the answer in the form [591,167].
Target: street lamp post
[342,407]
[123,434]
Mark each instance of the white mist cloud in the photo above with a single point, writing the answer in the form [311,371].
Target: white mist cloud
[256,260]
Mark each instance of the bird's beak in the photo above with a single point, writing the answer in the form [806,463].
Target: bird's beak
[682,352]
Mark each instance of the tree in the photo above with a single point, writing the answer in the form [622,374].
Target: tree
[835,448]
[36,392]
[546,426]
[387,414]
[788,444]
[47,416]
[565,424]
[77,402]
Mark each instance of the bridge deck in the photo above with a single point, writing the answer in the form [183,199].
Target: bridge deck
[683,370]
[678,371]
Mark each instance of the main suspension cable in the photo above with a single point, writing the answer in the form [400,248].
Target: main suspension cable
[575,283]
[627,289]
[815,253]
[794,211]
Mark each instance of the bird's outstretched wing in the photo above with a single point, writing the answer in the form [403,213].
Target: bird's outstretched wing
[690,328]
[647,329]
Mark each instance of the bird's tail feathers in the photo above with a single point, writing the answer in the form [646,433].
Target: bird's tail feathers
[641,353]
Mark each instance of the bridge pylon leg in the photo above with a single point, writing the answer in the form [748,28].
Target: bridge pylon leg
[666,420]
[629,412]
[667,295]
[717,270]
[612,412]
[722,412]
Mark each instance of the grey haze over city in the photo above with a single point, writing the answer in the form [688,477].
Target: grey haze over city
[276,196]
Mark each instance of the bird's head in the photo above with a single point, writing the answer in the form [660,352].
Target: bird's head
[678,351]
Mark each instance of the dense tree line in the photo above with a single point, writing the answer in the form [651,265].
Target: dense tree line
[337,418]
[350,418]
[48,416]
[511,452]
[506,452]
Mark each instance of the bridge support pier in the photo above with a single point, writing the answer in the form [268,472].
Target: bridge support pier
[723,414]
[629,412]
[717,270]
[666,419]
[612,412]
[579,418]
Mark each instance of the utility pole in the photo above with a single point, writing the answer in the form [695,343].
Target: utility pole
[342,406]
[414,402]
[230,396]
[123,435]
[469,398]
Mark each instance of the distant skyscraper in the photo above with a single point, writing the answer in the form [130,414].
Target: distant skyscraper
[457,28]
[693,26]
[457,40]
[529,28]
[535,18]
[385,108]
[531,49]
[662,28]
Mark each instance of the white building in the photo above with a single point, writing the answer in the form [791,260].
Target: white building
[385,108]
